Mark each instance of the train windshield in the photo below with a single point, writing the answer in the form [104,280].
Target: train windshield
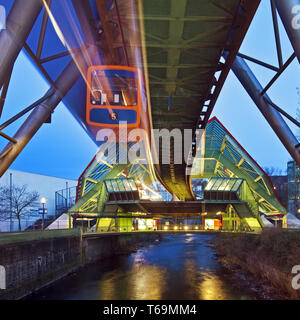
[114,88]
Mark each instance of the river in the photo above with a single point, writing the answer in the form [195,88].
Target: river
[182,266]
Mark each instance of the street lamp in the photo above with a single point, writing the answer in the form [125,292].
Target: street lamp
[43,201]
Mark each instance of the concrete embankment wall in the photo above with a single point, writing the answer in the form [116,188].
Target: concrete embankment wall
[30,261]
[97,247]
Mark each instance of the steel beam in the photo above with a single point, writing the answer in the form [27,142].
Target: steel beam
[19,23]
[289,11]
[43,31]
[4,91]
[277,35]
[41,113]
[23,112]
[275,120]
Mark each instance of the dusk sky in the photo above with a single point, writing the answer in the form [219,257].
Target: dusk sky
[63,149]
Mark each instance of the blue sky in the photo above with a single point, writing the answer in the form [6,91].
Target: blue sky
[236,109]
[63,149]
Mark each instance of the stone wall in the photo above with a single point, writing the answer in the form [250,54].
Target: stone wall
[101,246]
[28,265]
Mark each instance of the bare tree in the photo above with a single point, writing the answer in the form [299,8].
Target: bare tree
[17,201]
[272,171]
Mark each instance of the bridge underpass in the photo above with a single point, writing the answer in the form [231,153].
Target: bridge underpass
[180,52]
[181,73]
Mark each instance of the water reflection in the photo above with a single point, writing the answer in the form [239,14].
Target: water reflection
[178,267]
[148,282]
[212,287]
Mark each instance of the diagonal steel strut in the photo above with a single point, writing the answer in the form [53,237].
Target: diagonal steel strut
[41,113]
[274,118]
[289,11]
[19,23]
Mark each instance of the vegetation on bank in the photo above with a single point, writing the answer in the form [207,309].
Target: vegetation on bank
[269,257]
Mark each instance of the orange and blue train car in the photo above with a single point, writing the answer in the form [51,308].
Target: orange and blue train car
[113,96]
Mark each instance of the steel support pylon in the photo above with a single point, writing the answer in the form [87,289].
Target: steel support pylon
[41,113]
[289,11]
[19,23]
[274,118]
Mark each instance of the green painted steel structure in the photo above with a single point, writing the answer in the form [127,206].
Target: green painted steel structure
[223,156]
[237,183]
[92,191]
[184,43]
[236,193]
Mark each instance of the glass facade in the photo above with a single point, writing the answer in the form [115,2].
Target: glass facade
[120,185]
[224,184]
[293,173]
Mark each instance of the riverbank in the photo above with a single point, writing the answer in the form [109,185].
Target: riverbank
[30,261]
[263,261]
[175,267]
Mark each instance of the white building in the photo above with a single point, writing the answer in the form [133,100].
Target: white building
[46,186]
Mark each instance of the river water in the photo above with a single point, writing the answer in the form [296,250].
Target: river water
[182,266]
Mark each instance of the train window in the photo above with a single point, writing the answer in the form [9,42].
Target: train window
[114,88]
[113,95]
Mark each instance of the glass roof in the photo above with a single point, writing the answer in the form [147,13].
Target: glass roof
[224,184]
[120,185]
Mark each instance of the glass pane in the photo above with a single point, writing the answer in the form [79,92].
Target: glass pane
[230,184]
[126,184]
[109,186]
[121,185]
[132,185]
[210,184]
[237,185]
[223,185]
[217,185]
[114,88]
[115,185]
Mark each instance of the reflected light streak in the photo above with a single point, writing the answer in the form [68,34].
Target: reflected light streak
[147,86]
[107,286]
[63,40]
[148,282]
[77,34]
[209,286]
[55,25]
[138,50]
[212,288]
[137,47]
[105,86]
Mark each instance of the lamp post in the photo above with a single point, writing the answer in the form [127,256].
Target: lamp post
[43,201]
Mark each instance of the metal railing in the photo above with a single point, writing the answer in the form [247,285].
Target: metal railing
[64,200]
